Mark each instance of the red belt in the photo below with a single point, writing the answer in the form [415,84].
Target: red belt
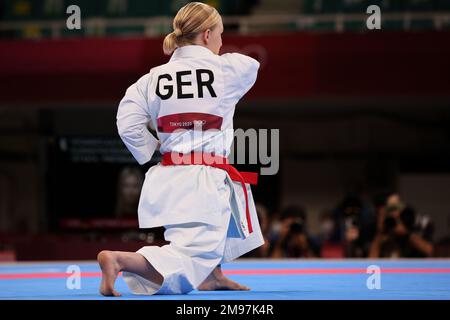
[208,159]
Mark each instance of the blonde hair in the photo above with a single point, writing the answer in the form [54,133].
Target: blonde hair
[192,19]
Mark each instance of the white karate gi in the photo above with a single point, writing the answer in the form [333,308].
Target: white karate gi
[201,208]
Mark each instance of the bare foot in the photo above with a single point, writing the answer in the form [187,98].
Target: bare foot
[110,269]
[217,281]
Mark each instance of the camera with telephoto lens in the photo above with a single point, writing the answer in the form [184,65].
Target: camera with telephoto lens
[296,227]
[406,217]
[297,219]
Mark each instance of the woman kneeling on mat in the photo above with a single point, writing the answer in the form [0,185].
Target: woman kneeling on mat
[205,205]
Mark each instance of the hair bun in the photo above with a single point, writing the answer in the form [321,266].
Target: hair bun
[191,20]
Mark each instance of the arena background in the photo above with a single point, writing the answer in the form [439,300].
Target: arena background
[360,112]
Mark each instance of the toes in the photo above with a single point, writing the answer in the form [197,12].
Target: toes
[110,293]
[116,294]
[231,285]
[105,293]
[222,284]
[240,287]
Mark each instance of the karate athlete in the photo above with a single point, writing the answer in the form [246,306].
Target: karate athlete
[205,204]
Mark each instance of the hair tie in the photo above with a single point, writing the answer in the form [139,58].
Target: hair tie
[178,32]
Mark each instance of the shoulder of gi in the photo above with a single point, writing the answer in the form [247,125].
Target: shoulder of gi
[240,72]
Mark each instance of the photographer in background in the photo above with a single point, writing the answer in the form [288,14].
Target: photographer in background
[291,239]
[353,226]
[399,235]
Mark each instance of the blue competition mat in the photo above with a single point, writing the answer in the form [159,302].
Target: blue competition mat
[269,280]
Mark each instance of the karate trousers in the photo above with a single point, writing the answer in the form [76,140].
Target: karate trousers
[195,249]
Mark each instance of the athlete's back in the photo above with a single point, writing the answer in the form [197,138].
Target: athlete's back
[190,101]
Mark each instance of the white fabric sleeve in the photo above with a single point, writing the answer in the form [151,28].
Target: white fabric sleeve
[240,73]
[132,119]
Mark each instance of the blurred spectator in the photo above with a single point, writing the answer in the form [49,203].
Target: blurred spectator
[264,221]
[424,226]
[381,202]
[326,227]
[128,191]
[353,222]
[291,239]
[324,239]
[401,233]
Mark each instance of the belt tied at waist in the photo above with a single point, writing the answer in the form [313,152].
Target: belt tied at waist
[208,159]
